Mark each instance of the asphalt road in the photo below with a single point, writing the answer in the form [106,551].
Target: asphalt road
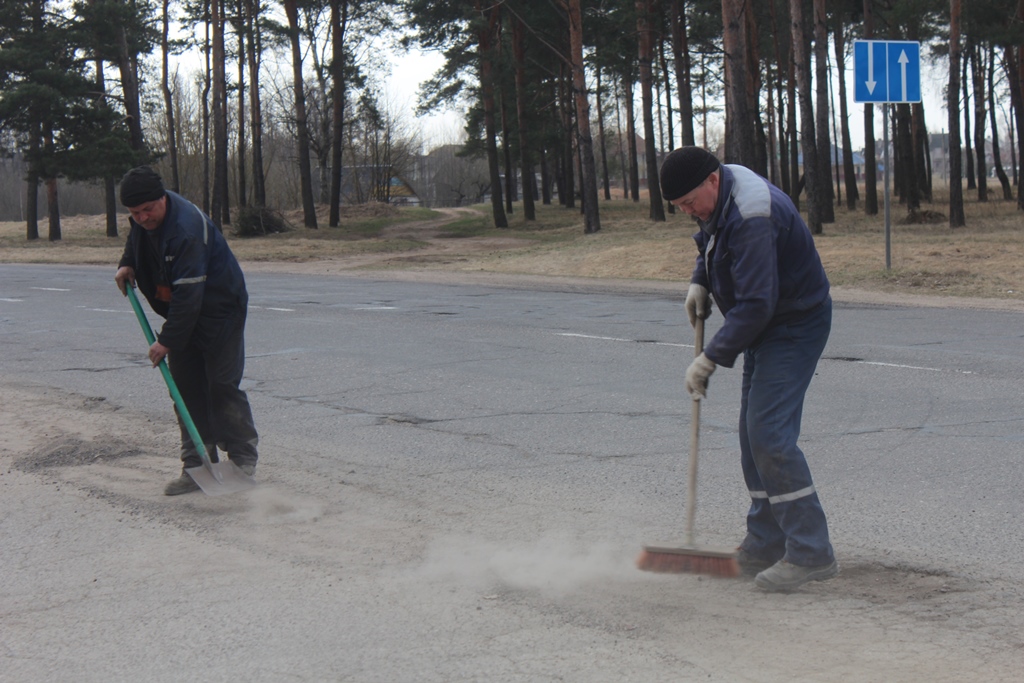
[450,441]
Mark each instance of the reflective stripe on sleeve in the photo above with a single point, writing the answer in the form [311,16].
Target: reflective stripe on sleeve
[190,280]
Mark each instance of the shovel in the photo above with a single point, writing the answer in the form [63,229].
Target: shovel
[214,478]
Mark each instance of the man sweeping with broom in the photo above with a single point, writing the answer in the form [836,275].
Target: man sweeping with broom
[757,259]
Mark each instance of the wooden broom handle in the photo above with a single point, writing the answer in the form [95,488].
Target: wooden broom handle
[691,498]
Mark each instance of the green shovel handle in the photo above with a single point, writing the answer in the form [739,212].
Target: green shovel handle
[179,402]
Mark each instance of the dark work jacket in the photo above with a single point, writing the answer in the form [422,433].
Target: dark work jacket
[208,292]
[758,260]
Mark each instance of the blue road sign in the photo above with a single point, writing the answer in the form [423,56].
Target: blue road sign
[886,71]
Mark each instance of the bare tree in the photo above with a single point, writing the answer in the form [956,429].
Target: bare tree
[588,180]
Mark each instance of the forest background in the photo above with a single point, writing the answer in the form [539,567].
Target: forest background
[563,102]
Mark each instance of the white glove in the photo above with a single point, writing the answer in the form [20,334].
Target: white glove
[697,376]
[698,304]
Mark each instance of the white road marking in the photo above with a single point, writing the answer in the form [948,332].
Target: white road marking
[618,339]
[690,346]
[911,367]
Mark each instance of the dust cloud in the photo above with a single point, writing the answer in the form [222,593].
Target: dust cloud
[556,564]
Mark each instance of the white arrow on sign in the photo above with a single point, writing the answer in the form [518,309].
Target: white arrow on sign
[904,60]
[871,69]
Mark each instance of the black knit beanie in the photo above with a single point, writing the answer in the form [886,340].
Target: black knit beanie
[141,185]
[684,169]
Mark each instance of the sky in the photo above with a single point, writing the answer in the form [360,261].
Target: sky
[410,70]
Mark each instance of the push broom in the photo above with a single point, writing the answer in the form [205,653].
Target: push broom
[690,558]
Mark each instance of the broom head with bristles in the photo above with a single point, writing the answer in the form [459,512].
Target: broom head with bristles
[689,560]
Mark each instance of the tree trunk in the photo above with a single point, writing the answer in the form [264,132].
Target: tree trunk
[53,209]
[568,200]
[849,174]
[172,138]
[243,192]
[922,152]
[205,99]
[109,196]
[802,60]
[968,137]
[668,143]
[305,174]
[870,157]
[606,181]
[792,129]
[219,210]
[634,157]
[822,138]
[623,163]
[525,168]
[997,156]
[752,50]
[782,62]
[911,192]
[643,11]
[485,39]
[1017,92]
[1015,61]
[681,58]
[978,80]
[740,143]
[339,24]
[956,190]
[259,187]
[127,65]
[506,152]
[52,203]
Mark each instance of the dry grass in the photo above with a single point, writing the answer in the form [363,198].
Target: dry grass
[984,259]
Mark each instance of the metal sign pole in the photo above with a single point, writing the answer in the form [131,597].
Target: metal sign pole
[885,184]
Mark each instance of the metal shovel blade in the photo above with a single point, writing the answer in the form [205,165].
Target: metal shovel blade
[220,478]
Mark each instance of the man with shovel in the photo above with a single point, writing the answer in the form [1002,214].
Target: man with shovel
[757,257]
[181,263]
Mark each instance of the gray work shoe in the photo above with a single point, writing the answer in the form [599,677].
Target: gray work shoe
[751,565]
[183,484]
[247,470]
[784,576]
